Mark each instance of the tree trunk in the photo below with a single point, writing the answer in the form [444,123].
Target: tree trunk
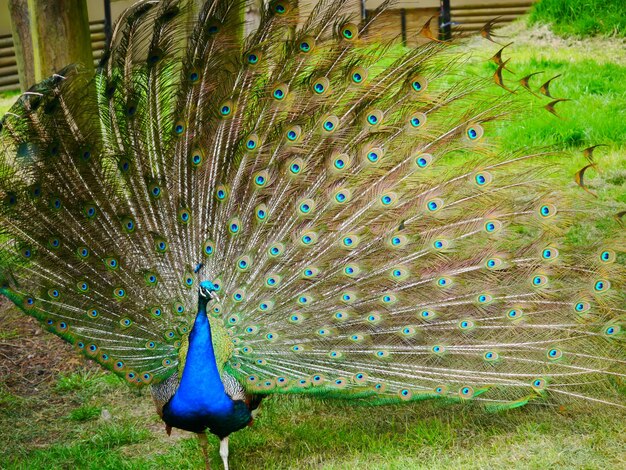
[48,35]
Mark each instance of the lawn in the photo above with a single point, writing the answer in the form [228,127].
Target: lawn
[57,411]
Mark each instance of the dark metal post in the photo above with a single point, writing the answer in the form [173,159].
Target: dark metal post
[108,27]
[403,25]
[363,11]
[445,32]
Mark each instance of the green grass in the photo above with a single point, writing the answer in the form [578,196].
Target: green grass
[302,433]
[89,419]
[581,18]
[7,98]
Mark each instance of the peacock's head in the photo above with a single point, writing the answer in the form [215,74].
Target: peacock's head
[207,291]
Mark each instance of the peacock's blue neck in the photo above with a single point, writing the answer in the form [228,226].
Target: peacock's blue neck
[200,393]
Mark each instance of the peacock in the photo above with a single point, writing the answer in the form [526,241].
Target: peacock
[303,209]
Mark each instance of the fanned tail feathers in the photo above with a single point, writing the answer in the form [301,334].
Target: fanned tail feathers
[367,237]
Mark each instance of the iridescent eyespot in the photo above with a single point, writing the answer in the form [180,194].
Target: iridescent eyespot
[252,142]
[340,315]
[188,280]
[374,117]
[293,133]
[320,86]
[423,160]
[351,270]
[494,263]
[308,238]
[234,226]
[428,314]
[155,191]
[374,155]
[276,249]
[349,32]
[184,216]
[306,44]
[514,314]
[538,384]
[261,212]
[581,307]
[388,199]
[340,162]
[554,354]
[221,193]
[607,256]
[408,331]
[55,203]
[306,207]
[272,280]
[89,210]
[358,75]
[208,248]
[483,178]
[160,245]
[279,92]
[418,84]
[417,120]
[547,210]
[601,285]
[549,253]
[281,8]
[296,166]
[253,58]
[330,124]
[441,244]
[492,226]
[474,132]
[539,280]
[434,205]
[491,356]
[342,195]
[128,224]
[226,109]
[196,157]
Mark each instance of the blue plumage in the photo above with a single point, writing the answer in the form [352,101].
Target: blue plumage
[201,401]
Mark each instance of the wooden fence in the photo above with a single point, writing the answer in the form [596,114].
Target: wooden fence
[9,79]
[404,20]
[472,16]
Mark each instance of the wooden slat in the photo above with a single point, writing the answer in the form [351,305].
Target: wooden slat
[7,52]
[6,41]
[10,80]
[492,6]
[483,19]
[8,71]
[489,12]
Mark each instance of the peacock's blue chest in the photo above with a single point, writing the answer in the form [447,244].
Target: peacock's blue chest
[194,412]
[200,401]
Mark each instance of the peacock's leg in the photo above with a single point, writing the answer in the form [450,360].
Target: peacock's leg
[204,444]
[224,452]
